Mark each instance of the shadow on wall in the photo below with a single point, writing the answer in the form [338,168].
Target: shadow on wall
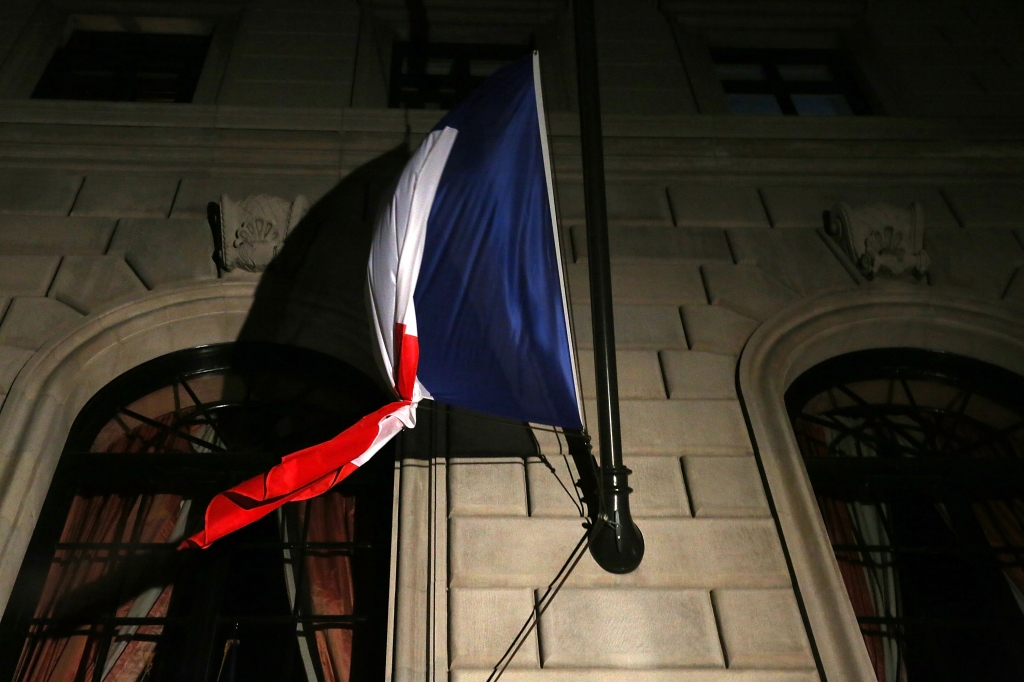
[313,294]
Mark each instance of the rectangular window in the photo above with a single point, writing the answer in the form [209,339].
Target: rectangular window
[120,66]
[440,75]
[789,82]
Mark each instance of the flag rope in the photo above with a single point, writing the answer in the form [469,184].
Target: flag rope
[554,587]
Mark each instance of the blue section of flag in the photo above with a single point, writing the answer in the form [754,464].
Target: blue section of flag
[492,330]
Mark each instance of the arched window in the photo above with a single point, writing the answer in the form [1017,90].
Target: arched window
[103,592]
[917,462]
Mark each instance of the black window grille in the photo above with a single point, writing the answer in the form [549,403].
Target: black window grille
[117,66]
[790,82]
[917,462]
[440,75]
[299,595]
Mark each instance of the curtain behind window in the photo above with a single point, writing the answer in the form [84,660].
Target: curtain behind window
[325,579]
[64,651]
[870,577]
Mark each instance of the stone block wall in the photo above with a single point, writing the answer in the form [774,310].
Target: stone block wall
[713,594]
[698,264]
[715,227]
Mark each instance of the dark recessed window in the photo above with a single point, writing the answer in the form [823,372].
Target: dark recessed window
[917,462]
[440,75]
[114,66]
[299,596]
[792,82]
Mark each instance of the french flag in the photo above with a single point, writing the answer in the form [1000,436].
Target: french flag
[467,294]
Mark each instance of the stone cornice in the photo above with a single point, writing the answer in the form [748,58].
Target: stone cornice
[196,138]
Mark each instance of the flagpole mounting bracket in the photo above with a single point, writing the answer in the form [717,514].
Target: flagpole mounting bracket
[616,543]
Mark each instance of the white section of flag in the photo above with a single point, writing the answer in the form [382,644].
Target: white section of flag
[397,249]
[390,426]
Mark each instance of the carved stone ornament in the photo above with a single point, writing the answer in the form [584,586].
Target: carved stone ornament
[882,240]
[253,229]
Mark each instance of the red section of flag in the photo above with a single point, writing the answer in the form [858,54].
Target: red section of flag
[408,348]
[300,476]
[313,471]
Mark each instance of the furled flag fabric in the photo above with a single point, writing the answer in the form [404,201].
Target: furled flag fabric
[466,292]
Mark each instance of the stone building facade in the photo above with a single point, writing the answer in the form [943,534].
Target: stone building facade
[728,284]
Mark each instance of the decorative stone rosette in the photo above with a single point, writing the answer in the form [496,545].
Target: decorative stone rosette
[882,240]
[254,229]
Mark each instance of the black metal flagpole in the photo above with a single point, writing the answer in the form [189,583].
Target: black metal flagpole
[616,543]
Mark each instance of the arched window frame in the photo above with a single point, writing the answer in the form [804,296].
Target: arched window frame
[183,427]
[64,374]
[804,335]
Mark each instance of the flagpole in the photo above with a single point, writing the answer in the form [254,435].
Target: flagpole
[616,543]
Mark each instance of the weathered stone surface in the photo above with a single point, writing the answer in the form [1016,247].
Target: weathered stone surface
[37,192]
[762,629]
[627,675]
[12,359]
[647,280]
[658,488]
[674,427]
[652,280]
[195,193]
[691,374]
[166,250]
[578,281]
[126,195]
[716,329]
[27,275]
[668,242]
[725,486]
[30,322]
[680,552]
[651,327]
[53,235]
[5,301]
[87,282]
[486,486]
[804,205]
[982,259]
[746,289]
[630,628]
[717,206]
[988,204]
[628,203]
[639,374]
[798,258]
[648,241]
[483,622]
